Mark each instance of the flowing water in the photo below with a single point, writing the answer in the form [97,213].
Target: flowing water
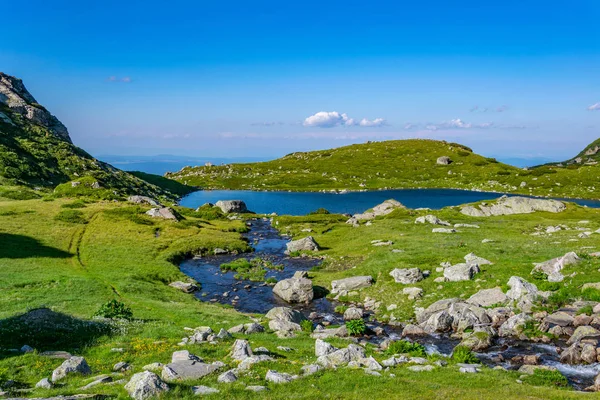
[258,297]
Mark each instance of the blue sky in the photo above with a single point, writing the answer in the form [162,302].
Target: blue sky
[230,79]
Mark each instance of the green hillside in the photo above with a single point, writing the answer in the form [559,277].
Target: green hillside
[36,152]
[394,164]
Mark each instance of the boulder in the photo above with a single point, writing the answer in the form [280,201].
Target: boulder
[523,293]
[74,365]
[232,206]
[349,284]
[583,332]
[278,377]
[438,322]
[379,210]
[514,205]
[477,341]
[413,330]
[185,287]
[227,377]
[431,219]
[444,160]
[280,325]
[294,290]
[514,325]
[571,355]
[164,213]
[353,313]
[342,356]
[443,230]
[322,348]
[285,314]
[44,384]
[461,272]
[413,293]
[488,297]
[471,258]
[241,350]
[306,244]
[144,200]
[553,267]
[203,390]
[559,318]
[145,385]
[190,369]
[407,275]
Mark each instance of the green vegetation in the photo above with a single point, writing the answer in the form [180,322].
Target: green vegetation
[462,354]
[356,327]
[71,216]
[307,326]
[114,309]
[406,347]
[396,164]
[169,185]
[253,270]
[543,377]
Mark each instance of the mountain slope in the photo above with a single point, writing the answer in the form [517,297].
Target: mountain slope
[391,164]
[36,150]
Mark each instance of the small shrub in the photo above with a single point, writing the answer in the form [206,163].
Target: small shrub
[307,326]
[503,173]
[462,354]
[114,309]
[340,309]
[356,327]
[587,310]
[406,347]
[591,294]
[71,216]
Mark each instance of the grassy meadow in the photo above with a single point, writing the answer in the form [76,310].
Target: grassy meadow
[74,255]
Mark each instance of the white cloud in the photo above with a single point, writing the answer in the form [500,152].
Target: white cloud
[594,107]
[458,124]
[330,119]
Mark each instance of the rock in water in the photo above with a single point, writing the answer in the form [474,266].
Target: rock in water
[295,290]
[232,206]
[145,385]
[306,244]
[514,205]
[71,366]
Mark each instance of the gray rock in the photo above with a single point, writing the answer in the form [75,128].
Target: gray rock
[384,208]
[183,355]
[306,244]
[514,205]
[232,206]
[413,293]
[523,293]
[185,287]
[144,200]
[164,213]
[461,272]
[431,219]
[407,275]
[203,390]
[583,332]
[311,369]
[471,258]
[322,348]
[74,365]
[444,160]
[421,368]
[552,268]
[241,350]
[121,367]
[248,362]
[44,384]
[488,297]
[285,314]
[227,377]
[155,367]
[280,325]
[145,385]
[353,313]
[184,370]
[438,322]
[294,290]
[256,388]
[559,318]
[349,284]
[514,325]
[278,377]
[443,230]
[98,381]
[342,356]
[253,327]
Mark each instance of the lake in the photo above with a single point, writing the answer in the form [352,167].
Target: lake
[301,203]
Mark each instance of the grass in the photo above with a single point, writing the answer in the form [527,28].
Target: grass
[73,269]
[253,270]
[395,165]
[405,347]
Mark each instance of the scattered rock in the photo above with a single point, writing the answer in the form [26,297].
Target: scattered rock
[431,219]
[461,272]
[232,206]
[295,290]
[413,293]
[185,287]
[203,390]
[71,366]
[164,213]
[353,313]
[407,276]
[44,384]
[488,297]
[145,385]
[443,230]
[349,284]
[444,160]
[241,350]
[144,200]
[227,377]
[278,377]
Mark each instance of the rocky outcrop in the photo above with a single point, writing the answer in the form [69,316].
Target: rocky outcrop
[352,283]
[14,94]
[384,208]
[306,244]
[232,206]
[514,205]
[297,289]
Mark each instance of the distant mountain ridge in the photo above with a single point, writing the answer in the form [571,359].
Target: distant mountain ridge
[36,149]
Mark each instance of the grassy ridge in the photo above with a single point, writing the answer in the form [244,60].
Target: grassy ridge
[394,164]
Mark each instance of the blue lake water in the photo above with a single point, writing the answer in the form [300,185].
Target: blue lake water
[301,203]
